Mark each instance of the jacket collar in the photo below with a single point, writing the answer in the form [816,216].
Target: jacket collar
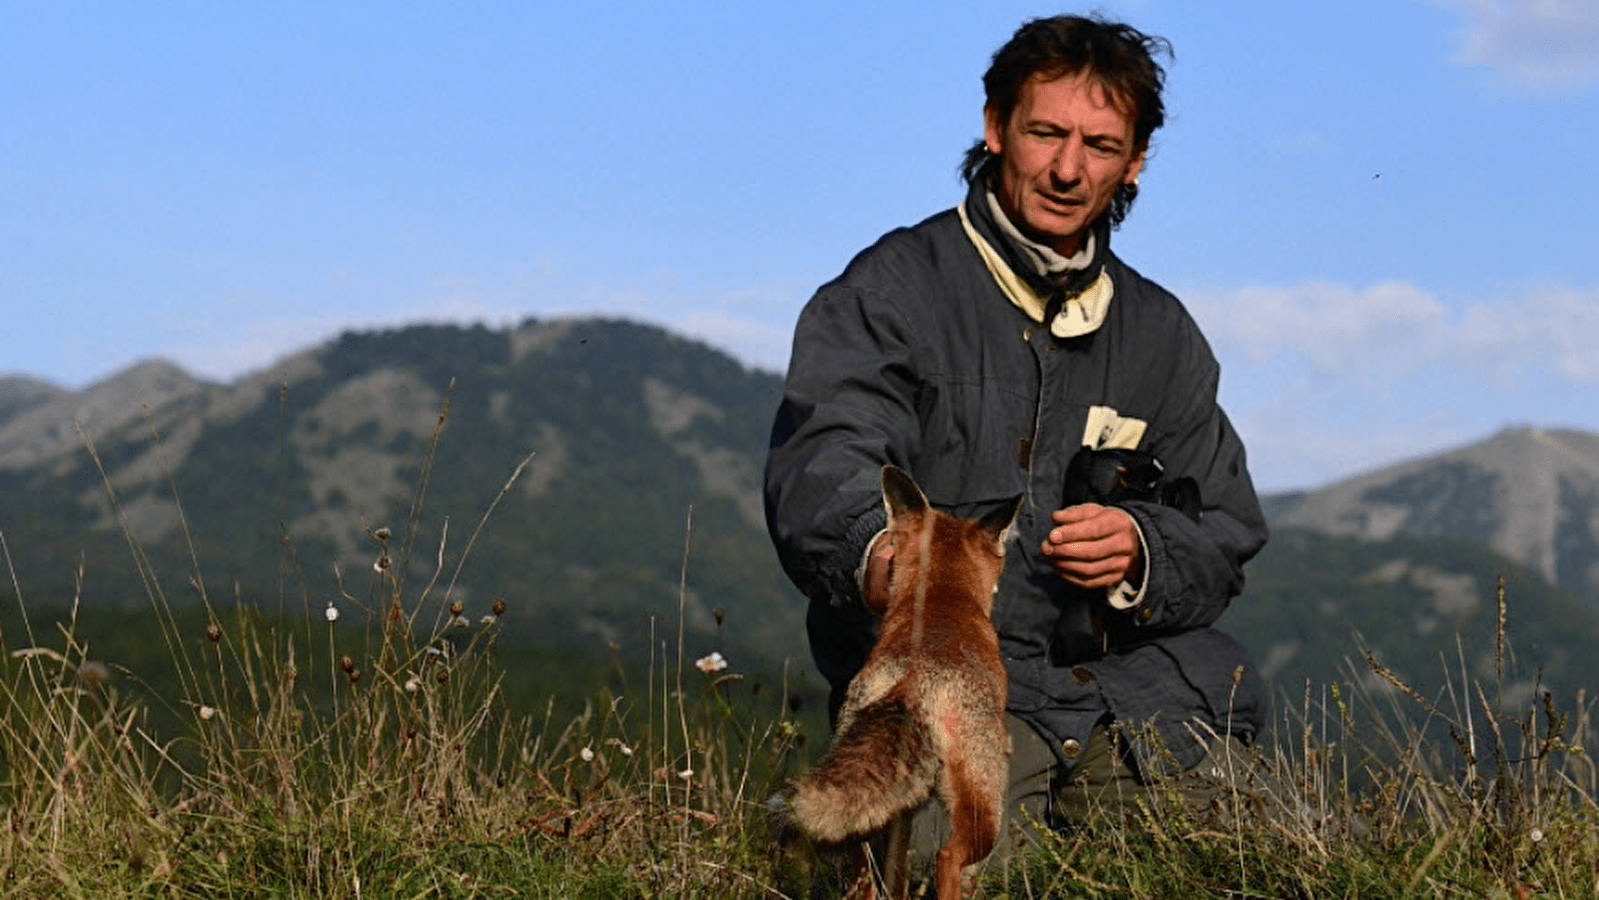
[1072,294]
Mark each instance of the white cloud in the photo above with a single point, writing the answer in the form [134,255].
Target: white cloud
[1545,327]
[1543,44]
[1334,327]
[1325,381]
[1394,329]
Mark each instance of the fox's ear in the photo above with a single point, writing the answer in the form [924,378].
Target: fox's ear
[900,493]
[997,524]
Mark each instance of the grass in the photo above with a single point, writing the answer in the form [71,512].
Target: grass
[375,756]
[369,754]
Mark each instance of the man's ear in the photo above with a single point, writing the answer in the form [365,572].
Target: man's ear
[993,131]
[1135,167]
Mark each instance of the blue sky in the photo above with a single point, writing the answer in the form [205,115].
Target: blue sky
[1380,211]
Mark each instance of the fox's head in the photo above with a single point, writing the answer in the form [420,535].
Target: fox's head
[931,548]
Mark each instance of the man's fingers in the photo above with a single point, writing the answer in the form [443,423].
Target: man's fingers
[1092,546]
[1087,523]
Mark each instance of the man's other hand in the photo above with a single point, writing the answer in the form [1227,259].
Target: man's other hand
[879,565]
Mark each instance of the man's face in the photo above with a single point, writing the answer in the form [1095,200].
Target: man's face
[1063,153]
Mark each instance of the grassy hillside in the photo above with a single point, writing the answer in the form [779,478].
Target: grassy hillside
[1425,607]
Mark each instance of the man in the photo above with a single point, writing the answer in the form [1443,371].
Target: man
[981,350]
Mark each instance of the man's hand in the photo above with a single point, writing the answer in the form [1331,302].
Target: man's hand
[1093,546]
[879,564]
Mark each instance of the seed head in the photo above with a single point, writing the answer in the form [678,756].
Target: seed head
[383,534]
[457,608]
[213,632]
[93,673]
[442,676]
[355,675]
[346,663]
[499,607]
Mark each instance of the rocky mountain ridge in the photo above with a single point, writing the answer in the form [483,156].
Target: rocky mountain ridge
[1530,494]
[608,440]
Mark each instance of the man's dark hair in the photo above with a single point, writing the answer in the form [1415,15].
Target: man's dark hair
[1118,56]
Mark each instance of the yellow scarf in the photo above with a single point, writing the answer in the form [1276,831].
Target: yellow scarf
[1078,316]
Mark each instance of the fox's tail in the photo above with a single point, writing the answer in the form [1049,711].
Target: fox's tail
[881,766]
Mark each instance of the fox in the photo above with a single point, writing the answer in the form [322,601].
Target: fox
[925,716]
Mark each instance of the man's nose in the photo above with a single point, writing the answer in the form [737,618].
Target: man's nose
[1067,166]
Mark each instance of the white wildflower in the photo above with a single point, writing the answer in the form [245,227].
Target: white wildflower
[332,613]
[486,620]
[686,774]
[1536,835]
[621,748]
[413,684]
[586,754]
[207,713]
[712,664]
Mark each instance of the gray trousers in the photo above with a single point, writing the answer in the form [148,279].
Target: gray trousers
[1104,782]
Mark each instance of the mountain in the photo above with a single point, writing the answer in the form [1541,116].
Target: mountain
[641,487]
[18,394]
[39,421]
[1530,494]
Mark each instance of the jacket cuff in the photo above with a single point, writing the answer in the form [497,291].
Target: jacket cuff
[852,555]
[1126,594]
[866,559]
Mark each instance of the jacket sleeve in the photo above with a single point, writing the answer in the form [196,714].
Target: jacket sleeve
[1196,568]
[848,408]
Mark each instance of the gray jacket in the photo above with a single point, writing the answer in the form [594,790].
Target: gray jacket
[916,356]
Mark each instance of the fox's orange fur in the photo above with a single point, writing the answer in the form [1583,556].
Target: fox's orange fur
[925,715]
